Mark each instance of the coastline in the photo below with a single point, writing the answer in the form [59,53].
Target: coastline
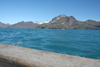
[15,56]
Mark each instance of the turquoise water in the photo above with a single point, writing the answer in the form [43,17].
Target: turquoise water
[84,43]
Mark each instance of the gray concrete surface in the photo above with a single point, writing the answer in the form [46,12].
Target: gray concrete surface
[14,56]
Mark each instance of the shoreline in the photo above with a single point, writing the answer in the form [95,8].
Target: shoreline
[54,28]
[15,56]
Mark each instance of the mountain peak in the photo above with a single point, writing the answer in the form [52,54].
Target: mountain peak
[72,17]
[62,16]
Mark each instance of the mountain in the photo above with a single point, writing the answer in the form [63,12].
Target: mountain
[2,25]
[23,24]
[59,22]
[69,22]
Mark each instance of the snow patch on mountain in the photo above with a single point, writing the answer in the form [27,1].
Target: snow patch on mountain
[37,22]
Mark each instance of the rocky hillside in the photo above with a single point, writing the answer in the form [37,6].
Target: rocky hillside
[2,25]
[66,22]
[23,24]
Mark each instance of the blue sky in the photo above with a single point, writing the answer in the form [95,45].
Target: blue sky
[13,11]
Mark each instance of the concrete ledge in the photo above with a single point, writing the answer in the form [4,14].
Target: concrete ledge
[14,56]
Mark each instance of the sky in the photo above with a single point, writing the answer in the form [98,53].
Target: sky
[13,11]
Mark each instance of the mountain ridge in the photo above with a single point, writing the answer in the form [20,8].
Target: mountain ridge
[59,22]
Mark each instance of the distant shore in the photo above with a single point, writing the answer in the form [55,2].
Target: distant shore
[14,56]
[59,22]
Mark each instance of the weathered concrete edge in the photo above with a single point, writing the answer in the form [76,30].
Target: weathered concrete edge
[24,57]
[9,61]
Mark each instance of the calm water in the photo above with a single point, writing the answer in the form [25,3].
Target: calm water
[84,43]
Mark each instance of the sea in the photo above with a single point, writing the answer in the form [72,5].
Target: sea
[75,42]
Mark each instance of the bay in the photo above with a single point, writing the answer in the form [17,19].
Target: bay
[83,43]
